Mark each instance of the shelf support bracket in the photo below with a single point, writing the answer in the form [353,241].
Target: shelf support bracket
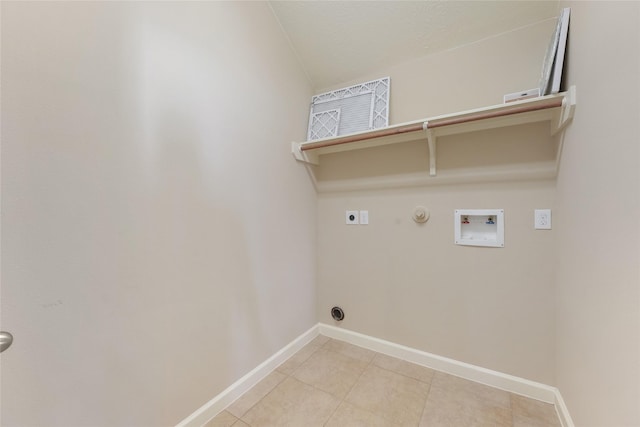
[431,143]
[566,110]
[301,156]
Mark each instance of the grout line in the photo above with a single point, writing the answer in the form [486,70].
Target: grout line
[424,408]
[259,400]
[369,365]
[318,347]
[333,412]
[502,381]
[405,375]
[285,374]
[344,399]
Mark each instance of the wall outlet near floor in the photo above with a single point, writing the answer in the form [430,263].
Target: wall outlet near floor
[542,219]
[352,217]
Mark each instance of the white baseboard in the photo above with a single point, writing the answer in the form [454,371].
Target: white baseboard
[563,412]
[237,389]
[510,383]
[470,372]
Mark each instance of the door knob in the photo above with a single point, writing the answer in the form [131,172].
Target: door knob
[5,340]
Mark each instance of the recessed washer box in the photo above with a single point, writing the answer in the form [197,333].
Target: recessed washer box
[479,227]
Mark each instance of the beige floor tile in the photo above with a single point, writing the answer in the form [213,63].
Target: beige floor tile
[350,350]
[399,366]
[294,362]
[455,401]
[348,415]
[531,412]
[223,419]
[393,396]
[332,372]
[471,390]
[257,392]
[447,411]
[319,341]
[292,403]
[333,383]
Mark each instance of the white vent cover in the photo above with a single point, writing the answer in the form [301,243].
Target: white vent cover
[353,109]
[324,124]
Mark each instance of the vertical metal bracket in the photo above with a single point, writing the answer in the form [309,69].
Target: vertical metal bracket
[431,142]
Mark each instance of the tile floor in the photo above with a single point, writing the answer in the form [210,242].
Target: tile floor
[332,383]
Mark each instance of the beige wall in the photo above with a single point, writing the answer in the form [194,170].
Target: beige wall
[144,185]
[154,226]
[475,75]
[597,228]
[409,283]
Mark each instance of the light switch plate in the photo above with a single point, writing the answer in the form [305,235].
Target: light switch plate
[364,217]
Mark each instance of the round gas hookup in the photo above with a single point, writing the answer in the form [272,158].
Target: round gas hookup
[421,214]
[337,313]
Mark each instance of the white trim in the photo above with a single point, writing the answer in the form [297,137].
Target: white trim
[563,412]
[464,370]
[510,383]
[237,389]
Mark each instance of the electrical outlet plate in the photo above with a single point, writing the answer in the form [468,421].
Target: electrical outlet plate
[352,217]
[542,219]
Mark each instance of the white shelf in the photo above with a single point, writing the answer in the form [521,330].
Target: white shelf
[556,109]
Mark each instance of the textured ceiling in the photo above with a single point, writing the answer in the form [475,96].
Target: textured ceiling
[338,41]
